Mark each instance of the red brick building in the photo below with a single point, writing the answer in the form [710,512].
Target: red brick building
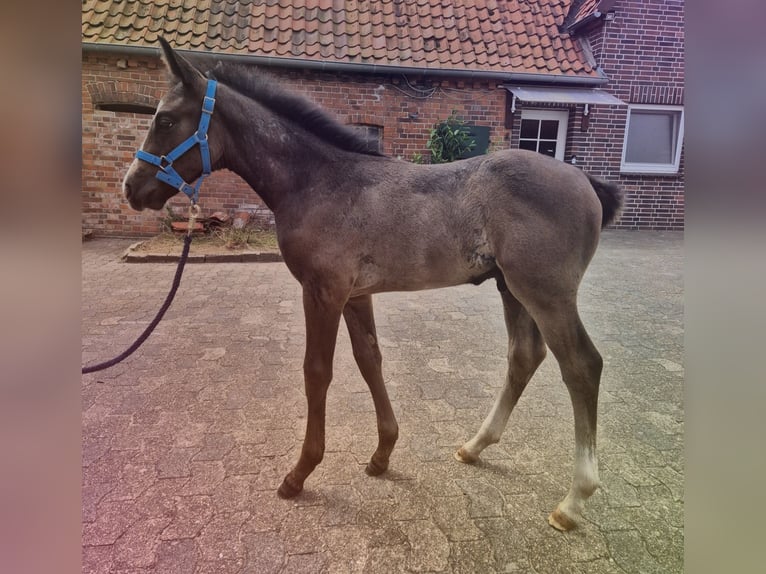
[596,83]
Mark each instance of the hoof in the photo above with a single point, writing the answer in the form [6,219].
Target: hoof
[462,456]
[287,490]
[374,468]
[561,521]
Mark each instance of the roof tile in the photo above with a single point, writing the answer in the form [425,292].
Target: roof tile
[502,49]
[352,31]
[476,36]
[325,28]
[497,35]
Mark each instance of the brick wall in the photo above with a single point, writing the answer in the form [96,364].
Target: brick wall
[642,52]
[404,110]
[110,139]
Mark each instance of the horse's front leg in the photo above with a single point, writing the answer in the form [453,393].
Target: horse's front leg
[322,308]
[364,341]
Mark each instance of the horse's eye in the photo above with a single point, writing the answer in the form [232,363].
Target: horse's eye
[164,122]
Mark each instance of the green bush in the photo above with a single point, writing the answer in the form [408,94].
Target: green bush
[449,140]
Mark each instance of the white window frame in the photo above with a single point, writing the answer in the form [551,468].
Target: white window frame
[561,115]
[651,168]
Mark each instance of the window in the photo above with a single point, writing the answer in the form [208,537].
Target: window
[653,137]
[373,134]
[544,131]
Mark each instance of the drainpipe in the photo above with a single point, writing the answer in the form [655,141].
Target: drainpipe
[342,67]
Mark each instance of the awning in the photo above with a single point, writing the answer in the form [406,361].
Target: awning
[564,95]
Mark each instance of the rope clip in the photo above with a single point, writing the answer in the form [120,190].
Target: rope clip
[194,211]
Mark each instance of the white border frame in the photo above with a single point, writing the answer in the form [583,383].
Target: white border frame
[561,115]
[650,168]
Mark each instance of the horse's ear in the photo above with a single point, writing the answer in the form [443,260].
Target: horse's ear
[180,67]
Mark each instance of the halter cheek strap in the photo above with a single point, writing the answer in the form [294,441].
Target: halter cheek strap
[167,173]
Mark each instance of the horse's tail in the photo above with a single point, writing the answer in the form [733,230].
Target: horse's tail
[611,198]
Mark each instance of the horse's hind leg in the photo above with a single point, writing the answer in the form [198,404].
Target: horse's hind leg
[322,308]
[361,328]
[581,366]
[526,350]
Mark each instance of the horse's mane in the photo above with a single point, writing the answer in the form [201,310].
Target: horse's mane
[266,90]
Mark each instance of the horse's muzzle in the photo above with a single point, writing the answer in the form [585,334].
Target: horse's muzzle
[130,195]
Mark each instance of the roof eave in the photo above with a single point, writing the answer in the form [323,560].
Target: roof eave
[580,24]
[596,16]
[349,67]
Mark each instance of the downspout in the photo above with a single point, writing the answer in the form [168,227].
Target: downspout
[341,67]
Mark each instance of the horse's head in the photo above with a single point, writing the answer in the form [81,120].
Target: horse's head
[176,121]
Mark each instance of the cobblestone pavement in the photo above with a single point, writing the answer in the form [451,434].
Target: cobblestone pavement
[186,442]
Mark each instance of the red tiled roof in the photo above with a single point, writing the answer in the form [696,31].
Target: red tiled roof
[504,36]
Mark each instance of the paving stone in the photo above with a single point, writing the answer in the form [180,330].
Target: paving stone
[192,513]
[219,538]
[175,463]
[341,504]
[267,511]
[429,547]
[484,499]
[348,545]
[315,563]
[299,530]
[386,559]
[264,553]
[91,497]
[587,543]
[451,516]
[177,556]
[548,551]
[160,499]
[629,552]
[600,566]
[219,567]
[511,555]
[186,442]
[134,480]
[136,548]
[98,559]
[112,520]
[470,556]
[233,493]
[206,476]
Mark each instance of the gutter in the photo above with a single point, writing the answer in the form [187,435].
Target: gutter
[342,67]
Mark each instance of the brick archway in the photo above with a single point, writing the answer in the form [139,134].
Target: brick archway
[118,92]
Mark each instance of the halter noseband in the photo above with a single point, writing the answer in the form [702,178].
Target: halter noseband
[167,173]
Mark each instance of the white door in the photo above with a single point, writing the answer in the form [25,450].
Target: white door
[544,131]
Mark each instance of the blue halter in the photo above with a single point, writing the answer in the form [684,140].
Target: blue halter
[167,172]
